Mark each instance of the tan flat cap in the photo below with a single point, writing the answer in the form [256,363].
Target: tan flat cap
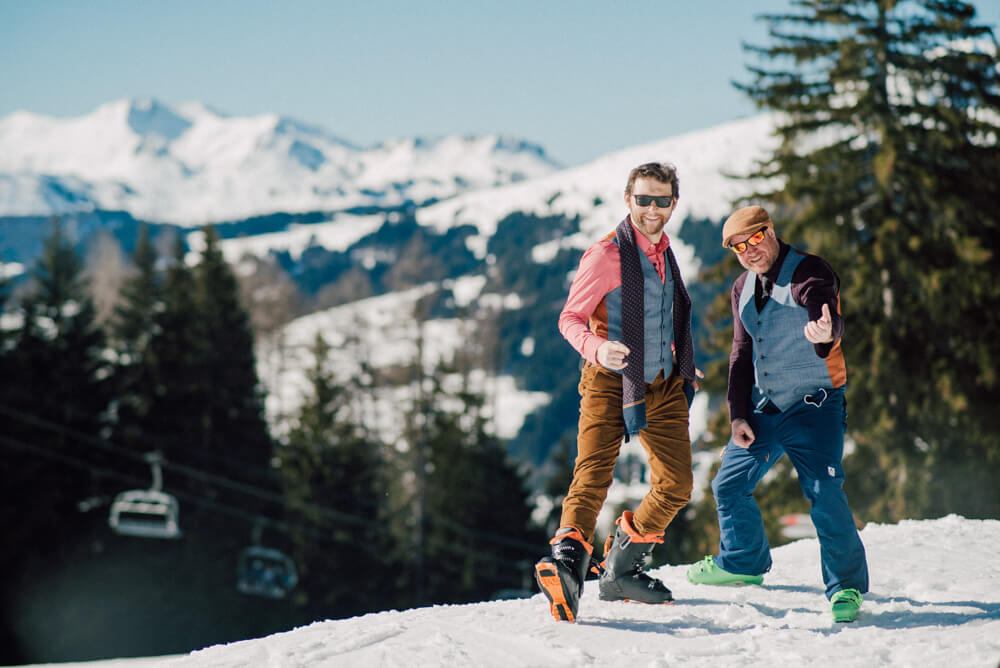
[747,220]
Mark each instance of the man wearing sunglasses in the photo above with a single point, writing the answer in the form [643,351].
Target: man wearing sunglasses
[628,314]
[786,396]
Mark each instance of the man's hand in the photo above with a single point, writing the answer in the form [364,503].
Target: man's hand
[820,331]
[743,435]
[611,355]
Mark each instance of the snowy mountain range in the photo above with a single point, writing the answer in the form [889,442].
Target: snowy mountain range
[490,211]
[190,165]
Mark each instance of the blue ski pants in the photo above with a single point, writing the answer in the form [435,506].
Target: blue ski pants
[813,438]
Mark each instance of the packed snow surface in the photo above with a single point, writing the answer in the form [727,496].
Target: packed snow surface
[934,601]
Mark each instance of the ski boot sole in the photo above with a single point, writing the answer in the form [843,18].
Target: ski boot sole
[547,576]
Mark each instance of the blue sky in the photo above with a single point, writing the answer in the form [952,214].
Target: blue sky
[579,78]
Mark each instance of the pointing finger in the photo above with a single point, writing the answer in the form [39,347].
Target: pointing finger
[826,313]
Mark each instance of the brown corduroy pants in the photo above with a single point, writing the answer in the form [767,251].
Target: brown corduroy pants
[665,440]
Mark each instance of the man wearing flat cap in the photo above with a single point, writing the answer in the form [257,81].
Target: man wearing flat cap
[786,396]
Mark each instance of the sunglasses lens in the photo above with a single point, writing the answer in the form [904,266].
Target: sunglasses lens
[742,246]
[661,202]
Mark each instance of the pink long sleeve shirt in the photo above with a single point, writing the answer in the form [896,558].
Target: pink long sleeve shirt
[584,318]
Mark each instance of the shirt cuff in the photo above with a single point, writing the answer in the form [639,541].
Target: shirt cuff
[823,349]
[590,346]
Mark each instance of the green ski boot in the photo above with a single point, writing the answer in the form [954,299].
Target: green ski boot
[845,605]
[706,572]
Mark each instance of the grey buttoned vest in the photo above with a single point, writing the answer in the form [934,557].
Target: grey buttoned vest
[786,366]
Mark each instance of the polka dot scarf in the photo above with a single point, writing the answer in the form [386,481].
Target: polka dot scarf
[633,327]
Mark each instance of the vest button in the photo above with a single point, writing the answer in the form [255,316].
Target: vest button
[759,340]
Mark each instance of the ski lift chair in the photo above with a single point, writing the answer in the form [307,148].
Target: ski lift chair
[265,571]
[147,513]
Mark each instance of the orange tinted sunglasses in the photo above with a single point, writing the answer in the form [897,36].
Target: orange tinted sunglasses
[742,246]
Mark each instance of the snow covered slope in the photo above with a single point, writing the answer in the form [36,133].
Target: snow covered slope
[706,160]
[381,332]
[190,165]
[934,602]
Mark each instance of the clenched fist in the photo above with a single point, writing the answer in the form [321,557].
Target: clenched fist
[611,355]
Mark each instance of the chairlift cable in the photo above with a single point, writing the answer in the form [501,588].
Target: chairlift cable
[189,471]
[251,490]
[156,443]
[282,525]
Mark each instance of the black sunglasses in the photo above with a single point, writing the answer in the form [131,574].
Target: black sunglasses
[663,202]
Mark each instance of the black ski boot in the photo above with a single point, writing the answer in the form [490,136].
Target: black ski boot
[560,577]
[624,558]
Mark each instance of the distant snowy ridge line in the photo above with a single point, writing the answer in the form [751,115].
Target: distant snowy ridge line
[190,165]
[592,193]
[707,162]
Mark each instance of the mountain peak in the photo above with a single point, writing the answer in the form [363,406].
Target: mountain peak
[187,164]
[148,116]
[515,145]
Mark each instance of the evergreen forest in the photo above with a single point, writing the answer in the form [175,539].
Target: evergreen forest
[248,536]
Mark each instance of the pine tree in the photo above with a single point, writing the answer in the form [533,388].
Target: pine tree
[888,168]
[172,366]
[133,327]
[53,407]
[477,536]
[61,349]
[174,423]
[233,410]
[333,478]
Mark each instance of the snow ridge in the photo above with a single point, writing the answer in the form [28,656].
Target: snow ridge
[189,164]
